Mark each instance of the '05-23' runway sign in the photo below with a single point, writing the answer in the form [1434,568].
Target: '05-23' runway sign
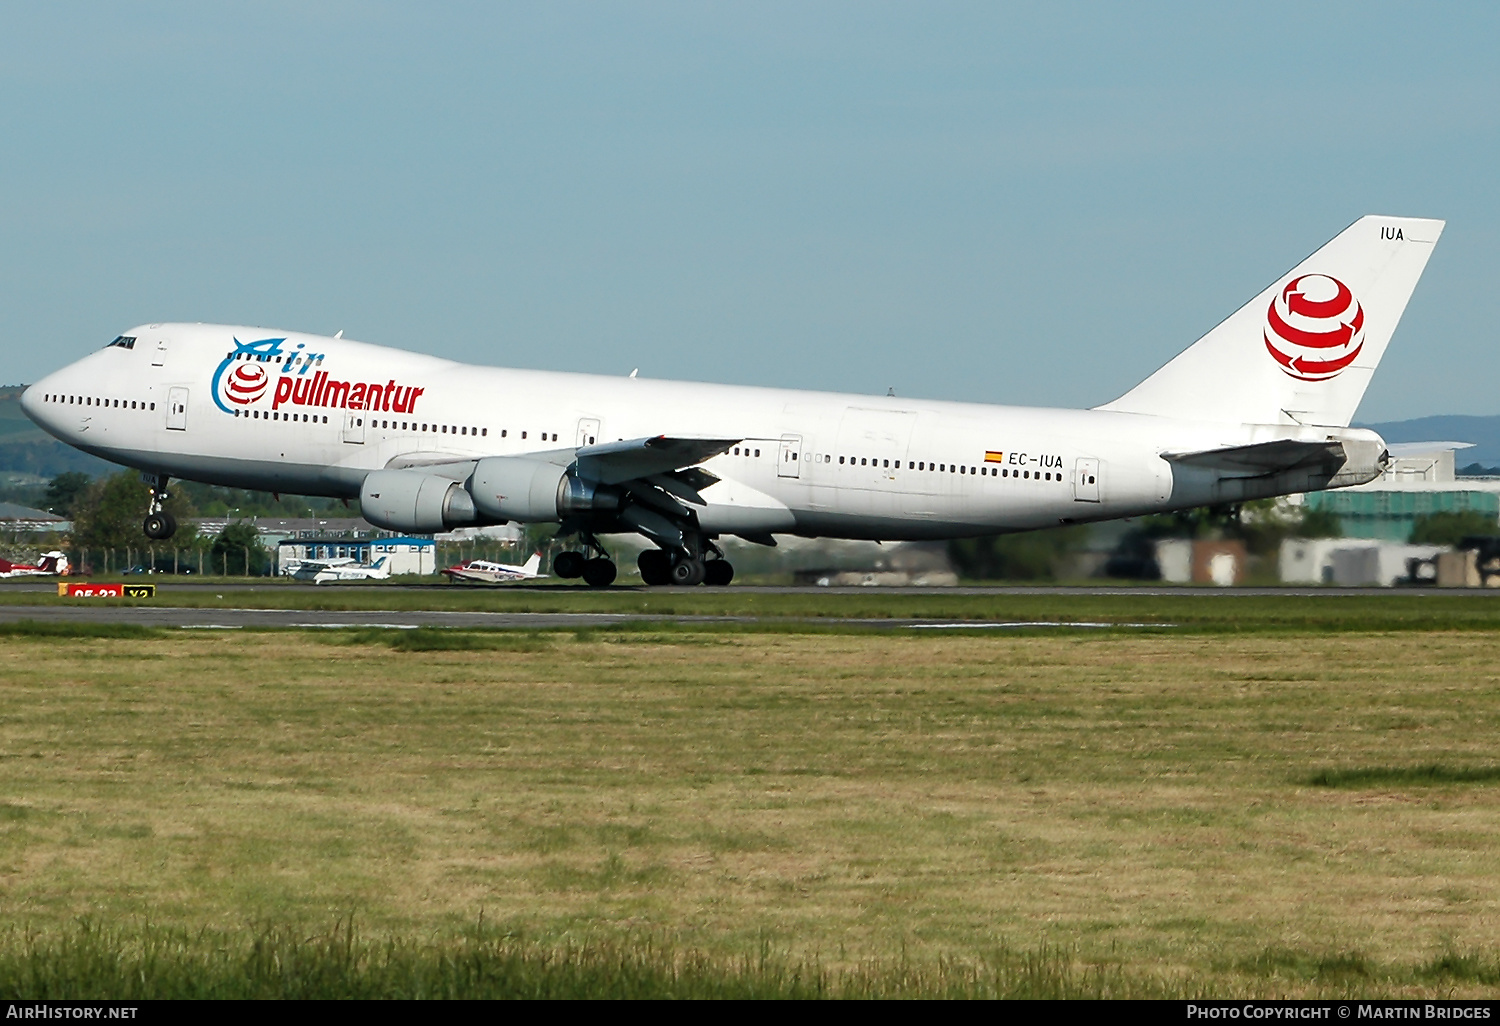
[106,590]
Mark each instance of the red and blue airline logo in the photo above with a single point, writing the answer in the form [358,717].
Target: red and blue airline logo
[244,378]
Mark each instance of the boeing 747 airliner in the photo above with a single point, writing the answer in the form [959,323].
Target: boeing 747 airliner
[1258,407]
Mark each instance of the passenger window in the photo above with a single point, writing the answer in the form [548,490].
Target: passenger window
[886,463]
[523,434]
[757,452]
[484,432]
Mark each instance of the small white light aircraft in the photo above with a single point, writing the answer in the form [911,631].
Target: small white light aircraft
[1260,406]
[482,571]
[321,571]
[50,564]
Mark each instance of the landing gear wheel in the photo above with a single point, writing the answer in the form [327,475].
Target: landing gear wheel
[655,566]
[718,572]
[159,526]
[569,564]
[598,573]
[687,572]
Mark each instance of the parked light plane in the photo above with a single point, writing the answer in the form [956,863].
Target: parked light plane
[1260,406]
[482,571]
[321,571]
[50,564]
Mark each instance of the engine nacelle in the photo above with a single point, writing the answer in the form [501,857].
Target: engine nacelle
[409,500]
[532,491]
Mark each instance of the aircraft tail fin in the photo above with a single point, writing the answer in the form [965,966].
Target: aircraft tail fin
[533,564]
[1304,350]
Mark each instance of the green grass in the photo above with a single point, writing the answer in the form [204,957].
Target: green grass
[64,629]
[1431,775]
[441,639]
[726,812]
[91,962]
[87,961]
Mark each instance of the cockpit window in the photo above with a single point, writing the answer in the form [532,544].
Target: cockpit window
[124,342]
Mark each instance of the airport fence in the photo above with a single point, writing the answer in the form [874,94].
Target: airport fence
[152,559]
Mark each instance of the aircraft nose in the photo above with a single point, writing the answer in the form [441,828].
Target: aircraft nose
[31,399]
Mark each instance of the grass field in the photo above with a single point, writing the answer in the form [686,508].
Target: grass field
[1277,811]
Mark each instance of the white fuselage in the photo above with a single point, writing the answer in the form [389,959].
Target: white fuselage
[289,412]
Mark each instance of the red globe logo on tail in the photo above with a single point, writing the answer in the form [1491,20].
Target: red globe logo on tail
[1315,327]
[246,384]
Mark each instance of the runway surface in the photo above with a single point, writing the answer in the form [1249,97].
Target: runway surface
[244,616]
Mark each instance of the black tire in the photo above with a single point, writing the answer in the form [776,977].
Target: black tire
[598,573]
[655,566]
[159,526]
[717,572]
[568,565]
[687,572]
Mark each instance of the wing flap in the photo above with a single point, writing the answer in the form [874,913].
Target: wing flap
[634,458]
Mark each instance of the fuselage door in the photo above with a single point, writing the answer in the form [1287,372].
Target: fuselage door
[159,353]
[588,431]
[789,464]
[1086,480]
[354,427]
[177,400]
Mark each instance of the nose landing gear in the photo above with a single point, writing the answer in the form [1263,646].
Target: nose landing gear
[159,525]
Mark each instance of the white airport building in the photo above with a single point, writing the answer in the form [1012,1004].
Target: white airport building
[1377,518]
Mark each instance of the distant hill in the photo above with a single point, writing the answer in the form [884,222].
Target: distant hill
[1484,432]
[27,449]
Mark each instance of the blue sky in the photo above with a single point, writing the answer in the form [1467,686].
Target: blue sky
[1028,203]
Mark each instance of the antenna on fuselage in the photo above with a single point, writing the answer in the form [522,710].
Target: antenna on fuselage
[635,372]
[339,333]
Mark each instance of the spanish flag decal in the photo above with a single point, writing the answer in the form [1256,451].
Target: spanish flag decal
[994,457]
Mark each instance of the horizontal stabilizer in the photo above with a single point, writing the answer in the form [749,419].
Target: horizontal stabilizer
[633,458]
[1264,457]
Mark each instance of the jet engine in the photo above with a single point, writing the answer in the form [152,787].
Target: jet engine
[526,490]
[409,500]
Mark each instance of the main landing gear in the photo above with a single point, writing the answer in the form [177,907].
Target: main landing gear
[660,567]
[597,571]
[159,525]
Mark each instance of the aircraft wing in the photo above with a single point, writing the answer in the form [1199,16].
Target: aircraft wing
[633,458]
[1265,457]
